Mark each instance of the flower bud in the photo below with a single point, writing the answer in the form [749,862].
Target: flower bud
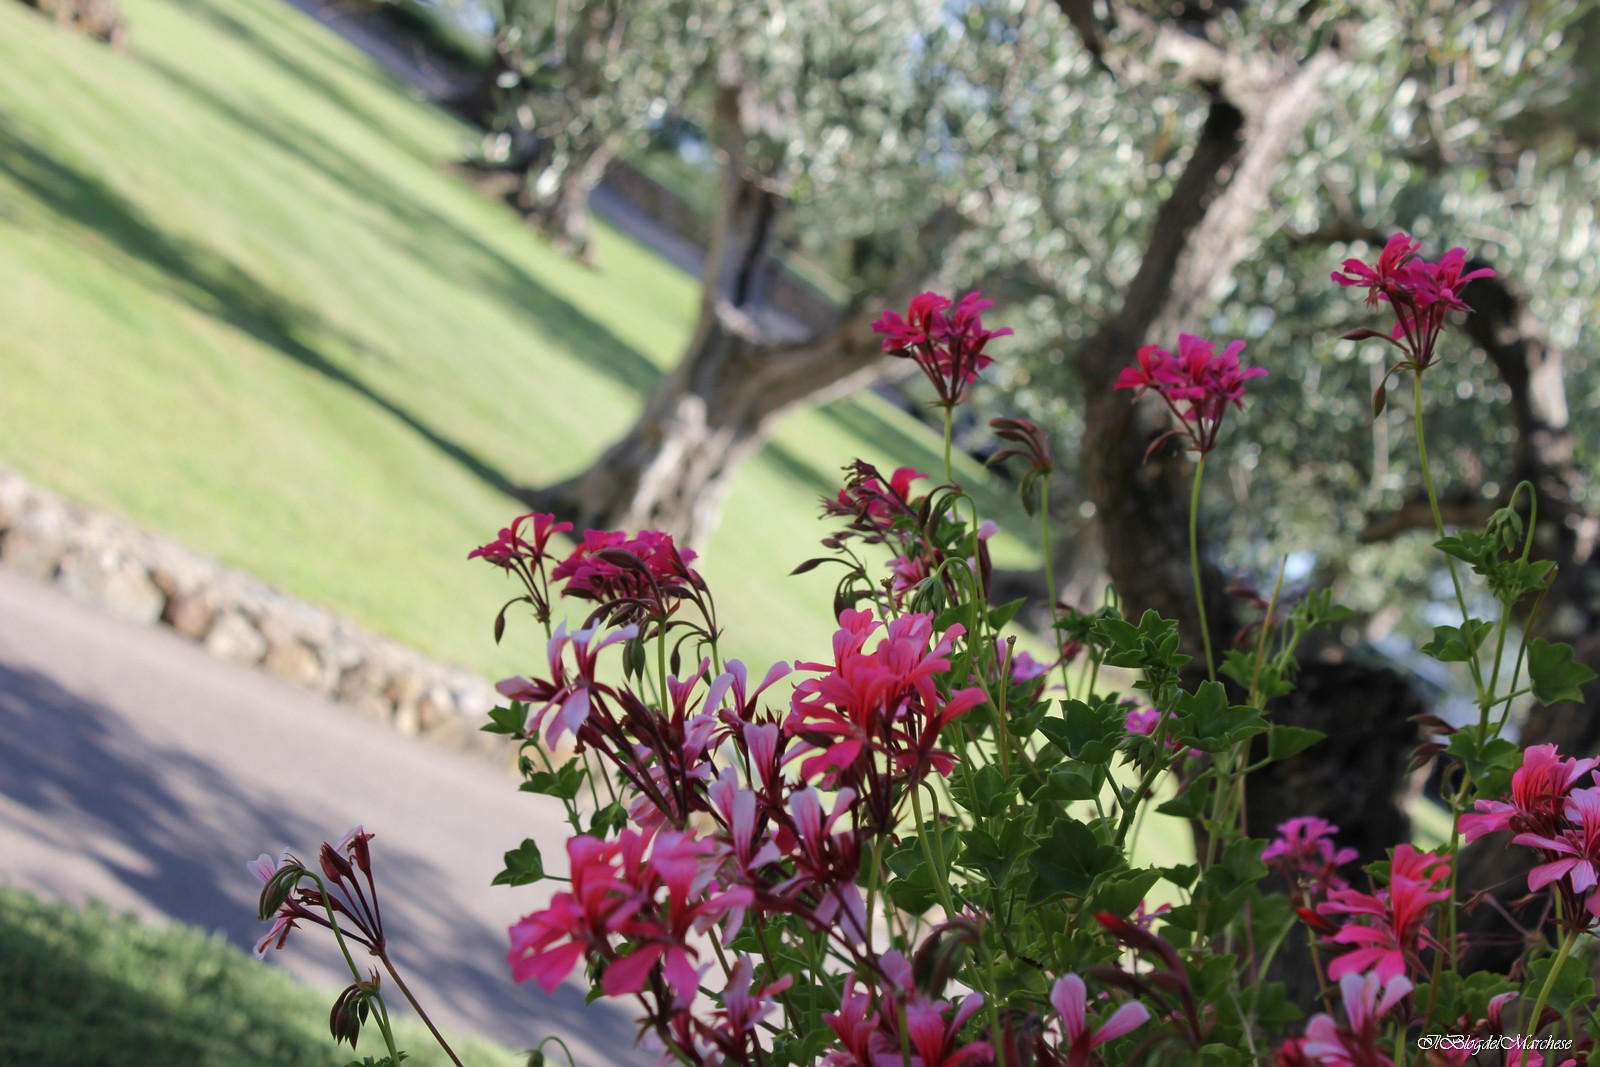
[942,955]
[1505,529]
[278,888]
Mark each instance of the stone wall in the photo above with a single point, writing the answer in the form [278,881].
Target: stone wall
[149,580]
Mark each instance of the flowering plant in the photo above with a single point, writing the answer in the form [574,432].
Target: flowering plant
[922,849]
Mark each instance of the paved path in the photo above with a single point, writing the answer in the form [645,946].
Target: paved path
[137,770]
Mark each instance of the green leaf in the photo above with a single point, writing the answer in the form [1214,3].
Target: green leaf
[1241,667]
[1121,894]
[1070,781]
[1469,547]
[508,721]
[1285,741]
[1240,867]
[1458,644]
[1512,580]
[985,792]
[1490,762]
[1573,989]
[1554,675]
[563,784]
[609,820]
[524,865]
[1320,609]
[1151,645]
[1204,720]
[1085,732]
[1274,1011]
[1069,860]
[1003,614]
[1183,875]
[997,857]
[1191,803]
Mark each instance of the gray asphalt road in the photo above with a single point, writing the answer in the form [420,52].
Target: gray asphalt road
[137,770]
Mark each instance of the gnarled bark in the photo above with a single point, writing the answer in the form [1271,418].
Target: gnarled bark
[744,365]
[1141,507]
[555,197]
[1198,236]
[1533,373]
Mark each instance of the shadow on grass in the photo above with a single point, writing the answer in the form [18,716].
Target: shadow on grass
[449,250]
[212,285]
[295,66]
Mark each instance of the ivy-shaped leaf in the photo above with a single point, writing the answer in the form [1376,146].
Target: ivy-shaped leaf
[1573,989]
[1458,644]
[1205,721]
[563,784]
[1069,860]
[1087,732]
[1285,741]
[1490,762]
[524,865]
[1554,675]
[507,720]
[997,856]
[1071,780]
[985,792]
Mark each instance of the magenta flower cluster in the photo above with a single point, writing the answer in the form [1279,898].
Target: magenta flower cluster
[1420,293]
[1560,822]
[1197,385]
[945,340]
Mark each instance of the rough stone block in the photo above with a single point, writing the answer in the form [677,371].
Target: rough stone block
[190,613]
[119,587]
[364,687]
[36,542]
[233,638]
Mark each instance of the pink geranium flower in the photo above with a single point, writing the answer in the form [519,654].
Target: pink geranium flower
[1386,276]
[630,578]
[1367,999]
[568,694]
[511,546]
[1573,854]
[1394,931]
[1539,790]
[1303,853]
[1079,1038]
[886,701]
[1197,385]
[1420,293]
[947,345]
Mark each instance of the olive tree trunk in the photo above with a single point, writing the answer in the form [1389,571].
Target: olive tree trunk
[744,365]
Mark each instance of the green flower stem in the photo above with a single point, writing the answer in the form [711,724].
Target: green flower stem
[387,1031]
[355,972]
[1266,963]
[772,969]
[1438,524]
[661,665]
[1050,579]
[949,471]
[1549,983]
[1159,738]
[1194,565]
[934,854]
[563,1046]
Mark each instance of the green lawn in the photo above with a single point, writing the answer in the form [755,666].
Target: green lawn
[89,989]
[247,305]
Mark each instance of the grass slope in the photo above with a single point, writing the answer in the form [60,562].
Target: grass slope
[90,989]
[246,305]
